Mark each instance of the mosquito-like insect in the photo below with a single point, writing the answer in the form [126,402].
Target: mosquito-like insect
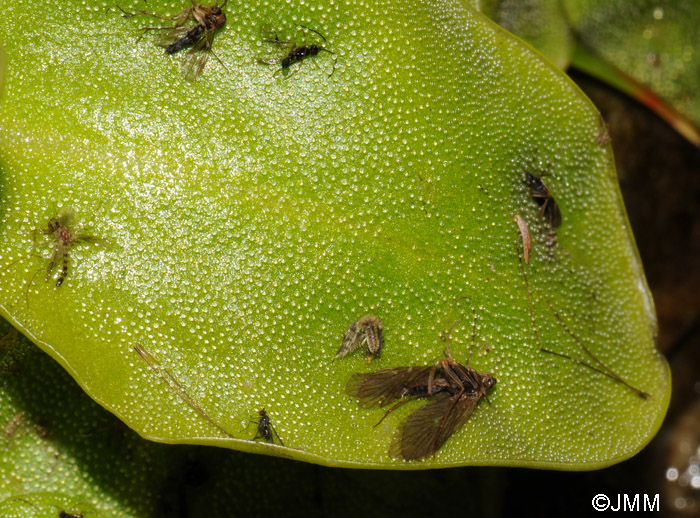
[454,391]
[194,28]
[601,367]
[64,237]
[367,332]
[265,429]
[172,382]
[294,53]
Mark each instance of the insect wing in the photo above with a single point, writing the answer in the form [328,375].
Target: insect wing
[274,432]
[66,217]
[170,35]
[553,214]
[197,57]
[425,430]
[384,386]
[350,341]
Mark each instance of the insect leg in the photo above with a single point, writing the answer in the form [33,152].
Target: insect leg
[63,272]
[276,434]
[397,405]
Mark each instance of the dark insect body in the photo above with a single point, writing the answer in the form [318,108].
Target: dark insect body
[194,27]
[600,368]
[265,429]
[367,331]
[547,204]
[167,377]
[64,238]
[454,391]
[185,41]
[295,53]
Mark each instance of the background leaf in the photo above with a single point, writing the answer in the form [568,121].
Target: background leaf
[247,219]
[645,48]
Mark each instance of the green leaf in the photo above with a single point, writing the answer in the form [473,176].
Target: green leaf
[83,460]
[542,23]
[647,48]
[245,220]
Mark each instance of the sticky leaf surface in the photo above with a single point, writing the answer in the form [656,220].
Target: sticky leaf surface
[243,221]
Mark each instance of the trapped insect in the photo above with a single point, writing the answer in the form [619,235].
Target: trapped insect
[549,209]
[454,391]
[193,27]
[265,429]
[64,237]
[294,53]
[167,377]
[366,331]
[598,366]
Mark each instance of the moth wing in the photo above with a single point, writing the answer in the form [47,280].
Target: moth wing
[425,430]
[381,387]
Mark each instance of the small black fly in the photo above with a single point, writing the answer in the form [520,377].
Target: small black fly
[294,53]
[265,429]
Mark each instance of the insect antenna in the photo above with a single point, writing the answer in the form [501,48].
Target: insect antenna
[605,369]
[321,48]
[172,382]
[314,30]
[446,336]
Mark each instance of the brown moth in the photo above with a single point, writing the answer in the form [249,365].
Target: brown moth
[453,390]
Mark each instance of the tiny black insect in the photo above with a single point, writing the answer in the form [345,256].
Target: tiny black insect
[265,429]
[368,332]
[454,391]
[294,53]
[193,27]
[546,202]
